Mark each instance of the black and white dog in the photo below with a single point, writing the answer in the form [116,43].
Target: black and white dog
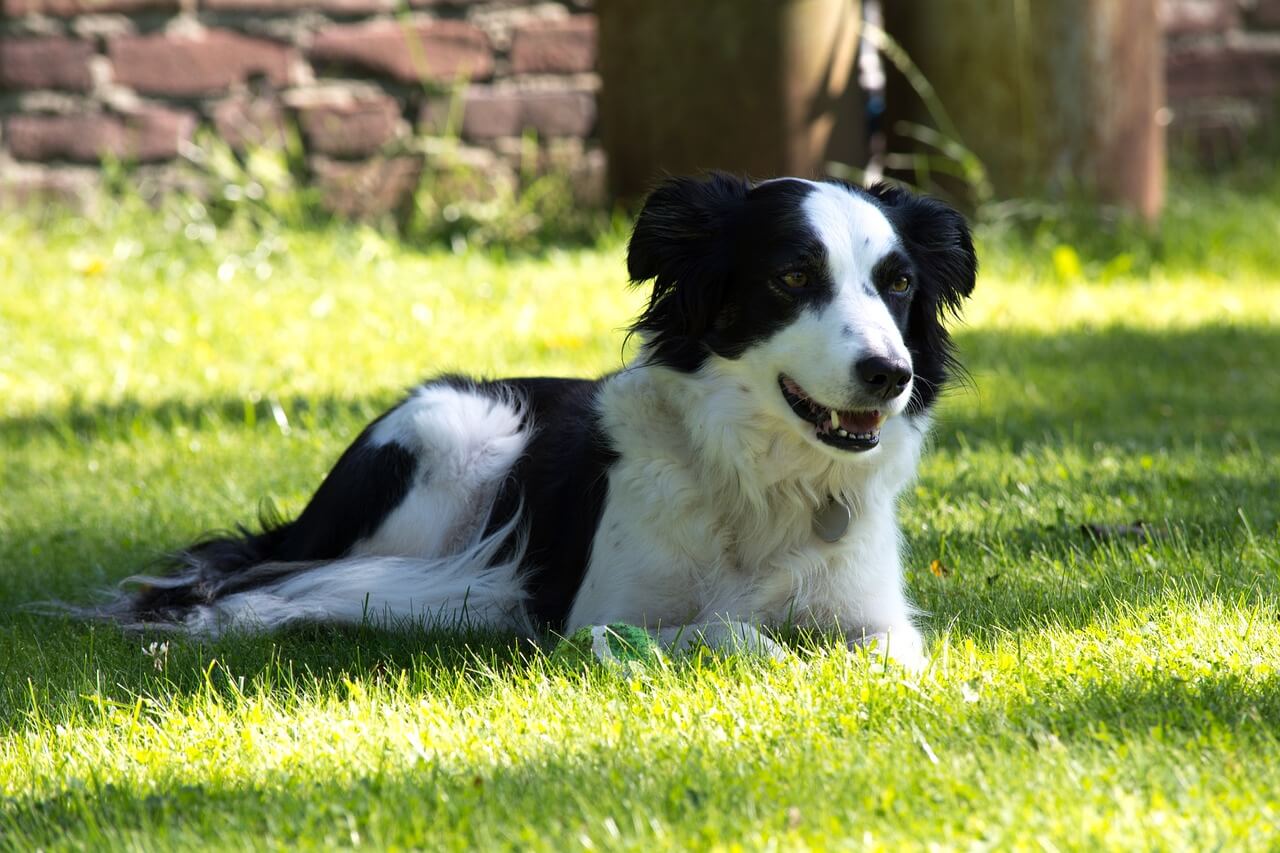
[742,473]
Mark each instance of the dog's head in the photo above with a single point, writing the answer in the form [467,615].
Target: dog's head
[830,297]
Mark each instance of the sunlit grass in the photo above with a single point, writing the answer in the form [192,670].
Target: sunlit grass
[1117,733]
[1120,692]
[108,318]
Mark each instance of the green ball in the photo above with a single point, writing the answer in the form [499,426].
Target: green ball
[616,644]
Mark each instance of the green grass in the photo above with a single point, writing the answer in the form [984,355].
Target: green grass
[1123,693]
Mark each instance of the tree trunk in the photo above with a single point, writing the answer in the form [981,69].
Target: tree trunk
[761,88]
[1057,98]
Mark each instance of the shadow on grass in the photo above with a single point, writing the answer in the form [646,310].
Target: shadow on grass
[1116,385]
[1195,392]
[564,787]
[1119,385]
[60,660]
[84,422]
[988,608]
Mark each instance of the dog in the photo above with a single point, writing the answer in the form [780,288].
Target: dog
[739,475]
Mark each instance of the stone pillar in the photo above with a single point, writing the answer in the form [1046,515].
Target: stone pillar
[761,88]
[1057,98]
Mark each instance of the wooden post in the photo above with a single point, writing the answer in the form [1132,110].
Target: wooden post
[1055,97]
[761,88]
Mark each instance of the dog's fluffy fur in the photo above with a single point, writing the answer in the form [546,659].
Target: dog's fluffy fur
[678,494]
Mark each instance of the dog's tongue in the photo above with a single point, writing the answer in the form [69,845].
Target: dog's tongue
[859,422]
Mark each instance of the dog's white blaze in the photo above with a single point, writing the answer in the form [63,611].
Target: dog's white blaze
[854,231]
[822,346]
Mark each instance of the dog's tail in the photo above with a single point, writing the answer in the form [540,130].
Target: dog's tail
[235,583]
[198,575]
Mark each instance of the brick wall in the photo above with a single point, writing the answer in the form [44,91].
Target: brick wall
[367,83]
[1223,72]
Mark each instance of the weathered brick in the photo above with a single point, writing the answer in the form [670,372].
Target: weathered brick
[343,7]
[556,113]
[367,189]
[560,46]
[429,50]
[32,186]
[67,8]
[201,64]
[247,122]
[1187,17]
[491,114]
[147,135]
[1220,71]
[45,63]
[433,118]
[350,127]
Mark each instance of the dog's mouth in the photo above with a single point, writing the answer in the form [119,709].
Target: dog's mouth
[855,431]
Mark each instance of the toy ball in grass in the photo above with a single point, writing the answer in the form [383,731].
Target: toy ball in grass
[615,644]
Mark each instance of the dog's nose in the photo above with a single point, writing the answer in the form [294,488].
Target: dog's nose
[883,377]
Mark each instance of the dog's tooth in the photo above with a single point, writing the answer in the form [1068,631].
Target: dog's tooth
[835,419]
[842,433]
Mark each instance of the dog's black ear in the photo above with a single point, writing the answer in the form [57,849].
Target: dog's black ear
[939,242]
[680,242]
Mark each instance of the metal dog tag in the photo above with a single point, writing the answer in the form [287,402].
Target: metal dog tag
[832,521]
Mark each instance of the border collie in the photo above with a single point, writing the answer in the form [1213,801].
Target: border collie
[741,474]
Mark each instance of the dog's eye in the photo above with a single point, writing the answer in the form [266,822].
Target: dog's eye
[794,279]
[901,284]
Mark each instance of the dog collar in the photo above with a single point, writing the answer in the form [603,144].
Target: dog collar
[831,521]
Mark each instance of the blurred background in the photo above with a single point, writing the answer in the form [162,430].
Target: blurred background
[517,121]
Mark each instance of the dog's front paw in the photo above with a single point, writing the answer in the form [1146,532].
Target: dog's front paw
[727,635]
[742,638]
[902,646]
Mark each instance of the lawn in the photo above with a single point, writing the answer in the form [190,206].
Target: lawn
[159,379]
